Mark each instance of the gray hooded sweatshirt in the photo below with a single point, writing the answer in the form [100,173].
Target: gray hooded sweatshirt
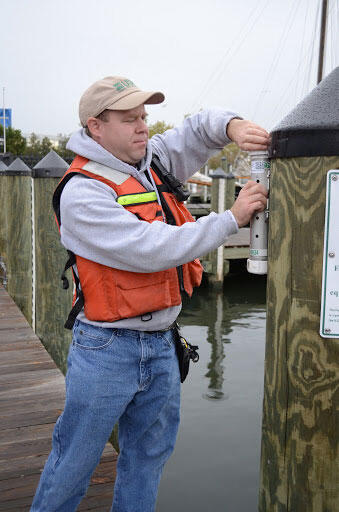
[96,227]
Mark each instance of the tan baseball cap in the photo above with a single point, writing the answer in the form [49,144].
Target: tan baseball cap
[114,93]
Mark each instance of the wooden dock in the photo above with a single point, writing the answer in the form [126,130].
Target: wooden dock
[32,395]
[236,246]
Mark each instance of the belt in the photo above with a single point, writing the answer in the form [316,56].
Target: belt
[172,326]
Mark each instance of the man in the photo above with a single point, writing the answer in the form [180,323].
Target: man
[134,250]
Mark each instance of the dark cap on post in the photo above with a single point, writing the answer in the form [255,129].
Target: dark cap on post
[51,166]
[3,166]
[312,127]
[18,168]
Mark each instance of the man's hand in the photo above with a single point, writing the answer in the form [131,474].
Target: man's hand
[252,198]
[247,135]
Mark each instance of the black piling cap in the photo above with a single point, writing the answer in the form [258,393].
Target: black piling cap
[51,166]
[3,166]
[218,174]
[18,168]
[312,127]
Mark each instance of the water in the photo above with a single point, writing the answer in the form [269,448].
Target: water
[215,465]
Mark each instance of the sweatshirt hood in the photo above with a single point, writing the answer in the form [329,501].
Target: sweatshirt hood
[83,145]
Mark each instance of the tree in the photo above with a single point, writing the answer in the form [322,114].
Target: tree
[67,154]
[15,141]
[232,154]
[45,146]
[33,146]
[158,127]
[38,147]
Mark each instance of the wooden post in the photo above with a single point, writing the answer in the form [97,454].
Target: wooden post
[222,198]
[3,224]
[218,202]
[16,237]
[230,184]
[52,302]
[300,458]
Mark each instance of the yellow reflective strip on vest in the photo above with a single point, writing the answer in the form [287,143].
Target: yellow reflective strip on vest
[130,199]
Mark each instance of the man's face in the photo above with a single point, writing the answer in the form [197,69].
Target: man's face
[125,134]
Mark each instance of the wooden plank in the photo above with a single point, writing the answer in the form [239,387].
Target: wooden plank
[7,323]
[19,483]
[33,403]
[19,449]
[19,345]
[26,356]
[24,367]
[25,419]
[24,379]
[236,253]
[240,239]
[13,333]
[32,396]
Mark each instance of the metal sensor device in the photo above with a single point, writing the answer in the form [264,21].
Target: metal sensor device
[260,172]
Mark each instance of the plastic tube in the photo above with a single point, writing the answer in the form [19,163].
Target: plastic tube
[260,171]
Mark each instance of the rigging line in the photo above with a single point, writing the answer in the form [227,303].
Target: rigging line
[302,47]
[311,46]
[220,72]
[307,74]
[223,69]
[270,72]
[308,56]
[209,79]
[286,35]
[309,51]
[290,84]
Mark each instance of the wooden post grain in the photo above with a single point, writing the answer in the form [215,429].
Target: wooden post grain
[52,302]
[299,464]
[16,237]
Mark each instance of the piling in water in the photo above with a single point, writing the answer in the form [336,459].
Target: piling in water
[299,461]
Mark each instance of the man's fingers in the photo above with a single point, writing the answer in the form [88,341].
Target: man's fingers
[255,139]
[247,146]
[253,188]
[258,206]
[258,131]
[258,197]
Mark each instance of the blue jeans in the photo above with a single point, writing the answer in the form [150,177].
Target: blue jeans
[113,375]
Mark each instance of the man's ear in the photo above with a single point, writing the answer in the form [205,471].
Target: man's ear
[93,124]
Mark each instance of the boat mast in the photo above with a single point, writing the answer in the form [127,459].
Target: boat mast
[322,39]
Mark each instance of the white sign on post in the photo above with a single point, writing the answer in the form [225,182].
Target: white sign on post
[329,318]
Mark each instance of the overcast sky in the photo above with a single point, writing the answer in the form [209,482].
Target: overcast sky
[257,57]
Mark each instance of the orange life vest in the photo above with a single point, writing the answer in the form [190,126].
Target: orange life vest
[109,294]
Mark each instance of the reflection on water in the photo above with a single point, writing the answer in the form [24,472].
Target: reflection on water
[215,338]
[218,444]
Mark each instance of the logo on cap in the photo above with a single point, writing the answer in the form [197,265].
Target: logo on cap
[123,84]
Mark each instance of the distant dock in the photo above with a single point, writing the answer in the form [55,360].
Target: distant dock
[32,395]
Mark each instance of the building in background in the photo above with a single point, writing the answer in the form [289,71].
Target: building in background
[54,139]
